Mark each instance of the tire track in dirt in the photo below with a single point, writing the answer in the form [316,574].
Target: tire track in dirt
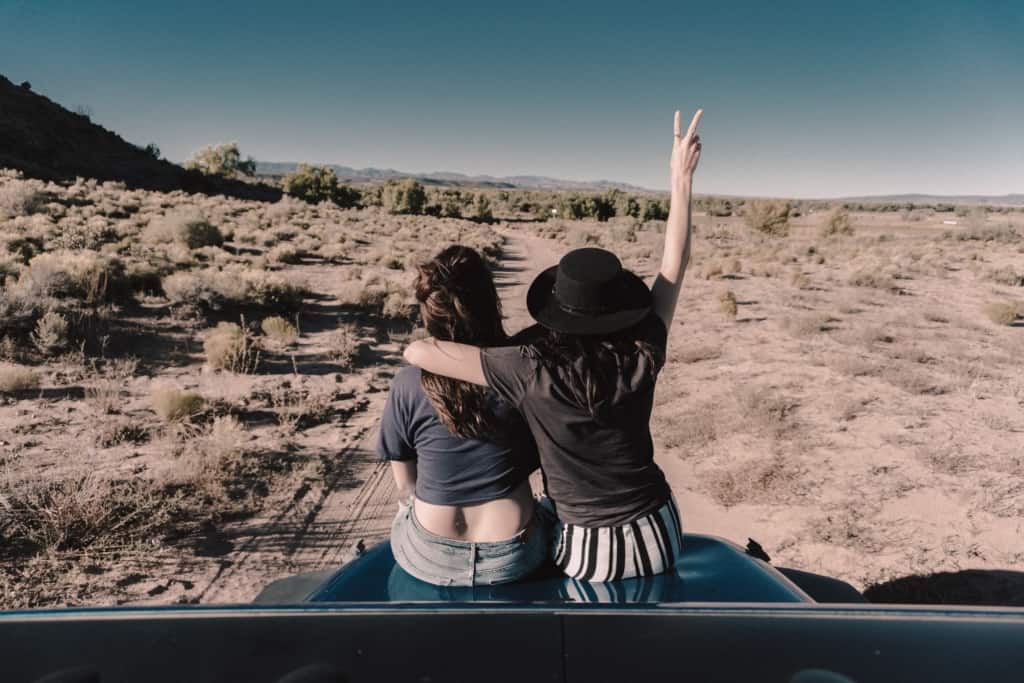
[322,520]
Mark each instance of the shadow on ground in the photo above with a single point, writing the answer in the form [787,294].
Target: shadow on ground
[967,587]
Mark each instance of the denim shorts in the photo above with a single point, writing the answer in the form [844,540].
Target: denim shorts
[447,562]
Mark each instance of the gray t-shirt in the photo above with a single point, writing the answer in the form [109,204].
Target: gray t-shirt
[450,469]
[597,472]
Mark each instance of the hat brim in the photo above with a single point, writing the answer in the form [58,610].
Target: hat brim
[632,304]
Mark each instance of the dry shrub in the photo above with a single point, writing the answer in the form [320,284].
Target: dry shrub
[120,431]
[50,335]
[105,394]
[1003,312]
[1007,276]
[948,458]
[236,286]
[80,512]
[1002,234]
[762,409]
[696,354]
[873,278]
[302,407]
[85,275]
[15,378]
[837,223]
[727,303]
[343,345]
[767,217]
[176,405]
[21,197]
[188,228]
[809,324]
[8,348]
[213,461]
[799,280]
[846,525]
[279,331]
[690,429]
[398,306]
[284,253]
[230,347]
[915,381]
[769,481]
[712,269]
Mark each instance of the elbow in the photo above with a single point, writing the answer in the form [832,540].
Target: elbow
[413,353]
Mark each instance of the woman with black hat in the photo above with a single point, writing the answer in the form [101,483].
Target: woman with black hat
[583,379]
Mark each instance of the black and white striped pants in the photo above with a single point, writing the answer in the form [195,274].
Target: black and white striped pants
[644,547]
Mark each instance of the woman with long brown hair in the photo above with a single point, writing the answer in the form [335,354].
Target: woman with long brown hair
[461,456]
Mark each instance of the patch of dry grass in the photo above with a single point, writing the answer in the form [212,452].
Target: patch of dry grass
[78,512]
[696,353]
[16,378]
[176,405]
[1003,312]
[772,480]
[847,525]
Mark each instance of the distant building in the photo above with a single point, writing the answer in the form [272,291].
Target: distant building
[950,222]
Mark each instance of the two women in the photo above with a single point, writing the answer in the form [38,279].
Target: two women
[583,382]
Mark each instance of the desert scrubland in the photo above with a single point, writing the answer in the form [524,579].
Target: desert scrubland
[178,371]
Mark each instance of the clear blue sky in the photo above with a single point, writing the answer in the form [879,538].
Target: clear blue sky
[801,98]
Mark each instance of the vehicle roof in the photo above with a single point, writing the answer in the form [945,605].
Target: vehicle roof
[710,570]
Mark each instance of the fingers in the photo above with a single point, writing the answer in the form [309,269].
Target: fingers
[693,124]
[678,125]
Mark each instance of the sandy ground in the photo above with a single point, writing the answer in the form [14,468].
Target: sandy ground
[855,431]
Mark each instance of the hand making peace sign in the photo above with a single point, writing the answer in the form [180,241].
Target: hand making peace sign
[685,152]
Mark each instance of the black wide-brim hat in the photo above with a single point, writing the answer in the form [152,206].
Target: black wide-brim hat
[588,292]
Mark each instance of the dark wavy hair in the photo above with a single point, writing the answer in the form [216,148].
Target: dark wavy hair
[590,366]
[459,303]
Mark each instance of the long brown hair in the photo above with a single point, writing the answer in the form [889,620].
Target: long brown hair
[589,366]
[459,303]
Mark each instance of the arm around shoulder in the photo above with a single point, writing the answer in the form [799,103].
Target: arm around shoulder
[448,359]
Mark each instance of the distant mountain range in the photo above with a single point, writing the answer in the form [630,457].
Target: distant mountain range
[532,182]
[444,178]
[1000,200]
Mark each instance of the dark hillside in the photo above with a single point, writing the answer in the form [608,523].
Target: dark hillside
[44,140]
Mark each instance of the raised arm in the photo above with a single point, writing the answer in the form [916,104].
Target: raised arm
[448,359]
[676,252]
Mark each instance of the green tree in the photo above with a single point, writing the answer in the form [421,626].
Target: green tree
[654,210]
[625,205]
[407,196]
[224,160]
[312,183]
[482,209]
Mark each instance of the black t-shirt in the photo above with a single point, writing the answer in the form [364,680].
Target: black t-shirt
[597,472]
[452,470]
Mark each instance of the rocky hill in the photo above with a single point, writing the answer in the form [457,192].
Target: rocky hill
[44,140]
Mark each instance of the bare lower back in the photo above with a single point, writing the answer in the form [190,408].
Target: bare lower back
[495,520]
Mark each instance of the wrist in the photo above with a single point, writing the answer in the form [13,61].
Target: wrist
[683,186]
